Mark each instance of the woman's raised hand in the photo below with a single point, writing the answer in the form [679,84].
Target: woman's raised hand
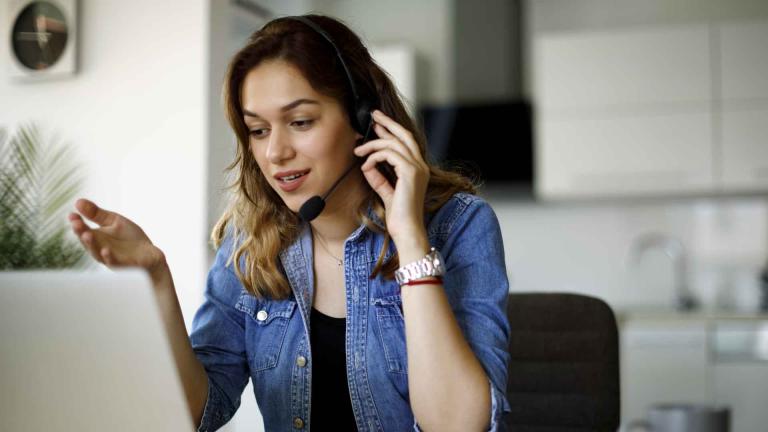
[117,242]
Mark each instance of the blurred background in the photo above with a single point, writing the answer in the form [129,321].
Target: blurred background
[623,145]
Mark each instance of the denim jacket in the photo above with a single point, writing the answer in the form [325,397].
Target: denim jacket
[237,336]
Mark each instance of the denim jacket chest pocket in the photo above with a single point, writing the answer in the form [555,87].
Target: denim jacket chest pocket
[265,328]
[391,324]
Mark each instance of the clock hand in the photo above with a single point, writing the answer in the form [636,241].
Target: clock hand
[40,22]
[27,36]
[45,53]
[45,23]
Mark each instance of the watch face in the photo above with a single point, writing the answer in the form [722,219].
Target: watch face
[39,35]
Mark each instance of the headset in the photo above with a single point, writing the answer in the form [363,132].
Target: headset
[360,119]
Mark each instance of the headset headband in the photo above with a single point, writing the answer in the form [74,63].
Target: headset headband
[338,53]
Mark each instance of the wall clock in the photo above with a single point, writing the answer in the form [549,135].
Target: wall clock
[42,39]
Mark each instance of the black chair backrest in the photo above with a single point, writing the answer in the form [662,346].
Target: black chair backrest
[564,368]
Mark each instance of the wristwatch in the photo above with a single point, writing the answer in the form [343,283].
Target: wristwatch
[431,265]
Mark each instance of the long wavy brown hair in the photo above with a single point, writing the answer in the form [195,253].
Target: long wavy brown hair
[255,212]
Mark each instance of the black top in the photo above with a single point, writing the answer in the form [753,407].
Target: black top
[331,404]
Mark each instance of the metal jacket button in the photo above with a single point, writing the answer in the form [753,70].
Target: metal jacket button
[301,361]
[262,315]
[298,423]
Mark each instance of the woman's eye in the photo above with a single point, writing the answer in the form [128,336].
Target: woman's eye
[305,122]
[299,123]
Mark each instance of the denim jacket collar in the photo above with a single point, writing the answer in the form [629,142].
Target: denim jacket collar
[297,258]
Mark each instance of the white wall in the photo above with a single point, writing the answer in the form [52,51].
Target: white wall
[230,27]
[584,247]
[426,25]
[486,46]
[135,112]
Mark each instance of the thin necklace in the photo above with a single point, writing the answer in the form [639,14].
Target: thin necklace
[341,263]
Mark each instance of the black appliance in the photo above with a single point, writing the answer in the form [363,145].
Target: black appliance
[491,141]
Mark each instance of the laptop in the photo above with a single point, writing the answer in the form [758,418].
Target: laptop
[86,351]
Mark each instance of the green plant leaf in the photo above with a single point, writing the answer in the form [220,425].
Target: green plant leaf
[38,181]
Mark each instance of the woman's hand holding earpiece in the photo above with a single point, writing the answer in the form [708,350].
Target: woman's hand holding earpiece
[117,242]
[405,202]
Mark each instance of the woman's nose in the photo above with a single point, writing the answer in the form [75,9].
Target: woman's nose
[279,147]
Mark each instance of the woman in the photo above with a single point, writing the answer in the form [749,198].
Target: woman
[312,312]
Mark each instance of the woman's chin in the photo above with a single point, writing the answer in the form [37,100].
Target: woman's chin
[294,203]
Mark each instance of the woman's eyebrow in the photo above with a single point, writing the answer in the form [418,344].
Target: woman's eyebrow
[288,107]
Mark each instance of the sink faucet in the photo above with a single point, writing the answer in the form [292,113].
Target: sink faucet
[672,248]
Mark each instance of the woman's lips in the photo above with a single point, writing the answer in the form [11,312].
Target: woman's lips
[289,186]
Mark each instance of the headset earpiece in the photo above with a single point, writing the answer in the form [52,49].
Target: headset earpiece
[363,116]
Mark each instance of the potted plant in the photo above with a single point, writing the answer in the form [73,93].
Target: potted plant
[37,183]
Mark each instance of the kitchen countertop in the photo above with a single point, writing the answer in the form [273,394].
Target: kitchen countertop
[664,313]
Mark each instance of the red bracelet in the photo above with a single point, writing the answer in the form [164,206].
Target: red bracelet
[436,279]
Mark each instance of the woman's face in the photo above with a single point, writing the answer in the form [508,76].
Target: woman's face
[294,128]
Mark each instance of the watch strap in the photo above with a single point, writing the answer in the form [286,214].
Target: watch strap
[430,265]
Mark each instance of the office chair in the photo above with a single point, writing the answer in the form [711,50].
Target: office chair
[564,367]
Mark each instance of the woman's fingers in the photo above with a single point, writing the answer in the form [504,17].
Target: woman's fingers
[382,132]
[90,210]
[78,225]
[87,237]
[91,246]
[106,255]
[101,251]
[81,230]
[394,128]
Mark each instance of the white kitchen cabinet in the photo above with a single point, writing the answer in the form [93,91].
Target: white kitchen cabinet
[739,358]
[743,59]
[652,111]
[625,155]
[399,61]
[737,385]
[624,68]
[744,107]
[662,361]
[745,148]
[624,112]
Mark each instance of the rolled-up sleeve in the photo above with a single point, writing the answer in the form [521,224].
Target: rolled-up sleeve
[498,399]
[217,337]
[477,287]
